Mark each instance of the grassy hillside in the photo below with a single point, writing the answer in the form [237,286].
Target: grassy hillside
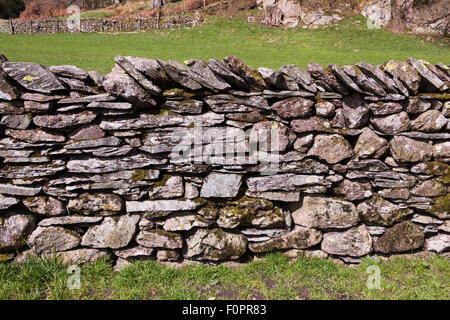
[257,45]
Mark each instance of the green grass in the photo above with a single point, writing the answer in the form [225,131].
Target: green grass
[273,277]
[257,45]
[95,14]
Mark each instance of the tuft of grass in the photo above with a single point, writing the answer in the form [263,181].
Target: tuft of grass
[345,43]
[273,277]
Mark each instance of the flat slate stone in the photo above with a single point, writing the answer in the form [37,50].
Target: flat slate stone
[96,165]
[69,220]
[19,190]
[33,76]
[69,71]
[161,206]
[201,68]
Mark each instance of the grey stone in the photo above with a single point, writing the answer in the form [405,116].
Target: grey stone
[215,245]
[202,69]
[186,106]
[303,143]
[69,71]
[87,132]
[355,111]
[64,120]
[429,121]
[167,255]
[68,220]
[159,239]
[53,239]
[7,90]
[324,109]
[251,76]
[105,204]
[35,135]
[331,148]
[6,202]
[325,213]
[225,73]
[112,233]
[283,196]
[298,238]
[320,73]
[386,108]
[432,81]
[120,84]
[129,68]
[380,212]
[311,124]
[172,188]
[282,182]
[221,185]
[19,121]
[14,229]
[404,236]
[271,136]
[137,251]
[161,206]
[367,85]
[303,78]
[375,73]
[439,243]
[32,170]
[33,76]
[19,190]
[44,205]
[277,79]
[392,124]
[441,150]
[406,73]
[354,190]
[36,107]
[95,165]
[293,108]
[355,242]
[93,143]
[369,144]
[404,149]
[396,193]
[186,222]
[341,75]
[417,105]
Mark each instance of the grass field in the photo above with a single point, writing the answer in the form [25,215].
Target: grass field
[273,277]
[257,45]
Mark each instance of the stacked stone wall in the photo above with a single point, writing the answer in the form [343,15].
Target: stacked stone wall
[219,161]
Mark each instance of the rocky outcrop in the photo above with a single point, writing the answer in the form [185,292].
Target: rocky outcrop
[219,161]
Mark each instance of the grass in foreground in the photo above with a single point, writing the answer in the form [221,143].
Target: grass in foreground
[274,277]
[256,45]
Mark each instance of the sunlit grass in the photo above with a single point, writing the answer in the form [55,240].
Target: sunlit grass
[348,43]
[273,277]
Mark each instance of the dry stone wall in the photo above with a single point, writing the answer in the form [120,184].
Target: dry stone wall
[219,161]
[102,25]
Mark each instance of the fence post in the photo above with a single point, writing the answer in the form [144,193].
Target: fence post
[31,26]
[139,23]
[11,27]
[120,25]
[57,25]
[103,25]
[157,18]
